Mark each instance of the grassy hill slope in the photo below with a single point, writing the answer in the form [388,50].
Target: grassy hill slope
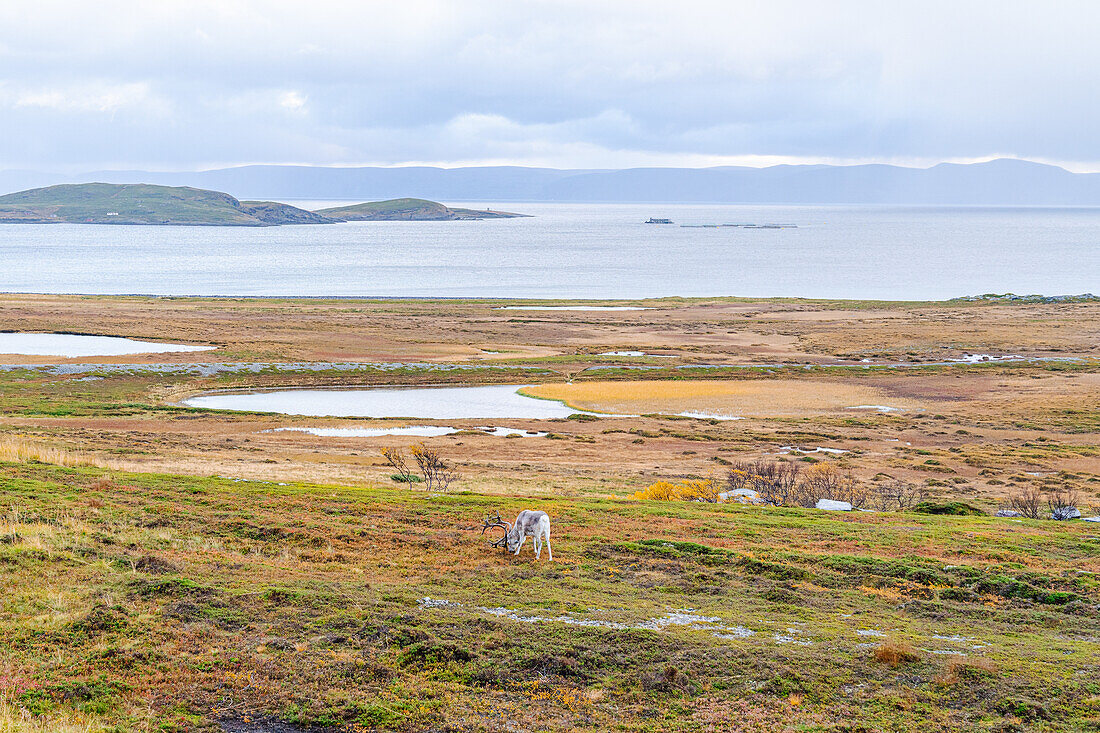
[107,203]
[409,209]
[149,601]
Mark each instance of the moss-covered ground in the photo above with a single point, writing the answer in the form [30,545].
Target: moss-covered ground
[145,601]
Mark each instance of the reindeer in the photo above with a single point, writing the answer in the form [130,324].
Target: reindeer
[528,524]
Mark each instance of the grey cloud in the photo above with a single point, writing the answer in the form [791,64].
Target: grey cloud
[190,83]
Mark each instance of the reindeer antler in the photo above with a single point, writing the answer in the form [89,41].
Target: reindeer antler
[492,521]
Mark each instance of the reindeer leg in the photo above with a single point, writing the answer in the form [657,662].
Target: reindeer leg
[538,546]
[549,551]
[520,545]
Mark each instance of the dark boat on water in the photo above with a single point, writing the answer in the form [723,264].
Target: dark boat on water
[651,220]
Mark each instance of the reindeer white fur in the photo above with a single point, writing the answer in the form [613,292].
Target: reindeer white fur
[534,524]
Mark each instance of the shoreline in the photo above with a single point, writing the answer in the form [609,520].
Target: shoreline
[999,299]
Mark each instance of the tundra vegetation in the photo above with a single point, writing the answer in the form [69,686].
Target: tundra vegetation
[432,470]
[784,483]
[688,490]
[172,568]
[139,203]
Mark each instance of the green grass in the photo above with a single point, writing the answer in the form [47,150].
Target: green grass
[406,209]
[107,203]
[172,601]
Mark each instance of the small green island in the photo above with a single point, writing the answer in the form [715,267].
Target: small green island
[410,210]
[140,203]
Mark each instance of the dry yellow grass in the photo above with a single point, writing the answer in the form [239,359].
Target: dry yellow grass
[16,719]
[960,669]
[18,448]
[750,398]
[700,330]
[895,653]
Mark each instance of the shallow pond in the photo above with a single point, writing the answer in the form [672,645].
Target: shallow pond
[427,403]
[571,308]
[425,431]
[636,353]
[73,345]
[702,415]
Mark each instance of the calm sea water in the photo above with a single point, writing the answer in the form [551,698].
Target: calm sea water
[581,251]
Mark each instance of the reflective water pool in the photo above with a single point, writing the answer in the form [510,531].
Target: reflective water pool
[73,345]
[571,308]
[429,403]
[425,431]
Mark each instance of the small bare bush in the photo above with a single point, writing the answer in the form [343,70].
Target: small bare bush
[438,475]
[103,483]
[399,462]
[826,481]
[1027,503]
[895,653]
[738,476]
[1061,499]
[773,480]
[896,496]
[783,483]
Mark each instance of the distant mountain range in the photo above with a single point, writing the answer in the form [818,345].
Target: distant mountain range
[998,182]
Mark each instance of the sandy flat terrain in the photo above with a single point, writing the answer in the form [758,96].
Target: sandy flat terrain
[748,398]
[700,331]
[979,432]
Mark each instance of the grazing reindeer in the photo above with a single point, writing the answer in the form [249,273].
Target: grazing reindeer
[528,524]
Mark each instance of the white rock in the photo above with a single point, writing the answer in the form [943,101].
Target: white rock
[1066,512]
[741,496]
[1007,513]
[1090,519]
[830,505]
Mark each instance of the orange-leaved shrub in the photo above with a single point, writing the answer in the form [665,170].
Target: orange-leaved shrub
[895,653]
[966,669]
[688,490]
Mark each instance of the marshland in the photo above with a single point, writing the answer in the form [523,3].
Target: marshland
[172,564]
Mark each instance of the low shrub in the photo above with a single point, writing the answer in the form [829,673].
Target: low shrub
[784,483]
[668,680]
[895,653]
[689,490]
[966,669]
[1027,503]
[1023,708]
[685,548]
[953,508]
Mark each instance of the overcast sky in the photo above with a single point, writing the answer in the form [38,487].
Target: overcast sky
[191,84]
